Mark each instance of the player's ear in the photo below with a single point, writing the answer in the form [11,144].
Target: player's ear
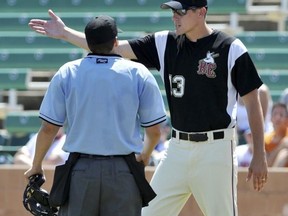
[203,11]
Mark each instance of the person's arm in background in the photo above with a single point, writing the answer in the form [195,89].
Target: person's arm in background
[56,28]
[281,159]
[45,137]
[279,155]
[151,138]
[24,155]
[265,99]
[258,166]
[58,155]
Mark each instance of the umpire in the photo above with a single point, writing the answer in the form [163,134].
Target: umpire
[103,99]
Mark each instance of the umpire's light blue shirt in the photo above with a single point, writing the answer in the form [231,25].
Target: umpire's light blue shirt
[103,101]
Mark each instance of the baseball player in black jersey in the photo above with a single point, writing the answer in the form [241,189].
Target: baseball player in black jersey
[203,70]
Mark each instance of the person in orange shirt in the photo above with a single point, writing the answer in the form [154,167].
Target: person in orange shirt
[276,141]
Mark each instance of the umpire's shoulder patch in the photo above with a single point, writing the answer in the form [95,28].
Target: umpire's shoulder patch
[101,60]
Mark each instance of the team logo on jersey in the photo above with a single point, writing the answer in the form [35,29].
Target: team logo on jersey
[101,61]
[207,65]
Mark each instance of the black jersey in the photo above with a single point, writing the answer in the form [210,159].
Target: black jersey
[202,79]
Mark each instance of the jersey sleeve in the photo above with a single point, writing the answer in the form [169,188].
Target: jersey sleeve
[146,51]
[245,77]
[151,106]
[52,108]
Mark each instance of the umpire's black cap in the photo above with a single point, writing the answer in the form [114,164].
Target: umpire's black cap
[184,4]
[101,29]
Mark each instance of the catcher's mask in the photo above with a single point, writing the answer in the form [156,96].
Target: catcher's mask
[35,199]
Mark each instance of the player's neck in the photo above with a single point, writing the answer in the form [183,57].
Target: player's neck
[201,32]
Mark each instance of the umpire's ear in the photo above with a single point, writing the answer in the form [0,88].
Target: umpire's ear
[116,42]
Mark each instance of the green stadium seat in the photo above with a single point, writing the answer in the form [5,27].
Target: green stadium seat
[41,59]
[270,58]
[4,138]
[276,80]
[14,78]
[22,122]
[264,39]
[30,39]
[145,21]
[226,6]
[275,94]
[6,150]
[20,138]
[14,142]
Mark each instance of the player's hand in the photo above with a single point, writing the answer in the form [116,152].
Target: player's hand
[53,28]
[258,171]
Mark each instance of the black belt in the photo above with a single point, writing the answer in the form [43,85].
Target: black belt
[197,137]
[82,155]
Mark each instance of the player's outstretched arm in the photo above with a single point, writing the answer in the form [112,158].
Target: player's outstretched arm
[56,28]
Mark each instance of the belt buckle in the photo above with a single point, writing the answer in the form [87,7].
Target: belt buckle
[198,137]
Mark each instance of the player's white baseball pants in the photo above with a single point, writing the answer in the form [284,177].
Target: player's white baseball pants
[206,169]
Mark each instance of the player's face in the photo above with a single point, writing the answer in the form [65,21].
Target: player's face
[186,21]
